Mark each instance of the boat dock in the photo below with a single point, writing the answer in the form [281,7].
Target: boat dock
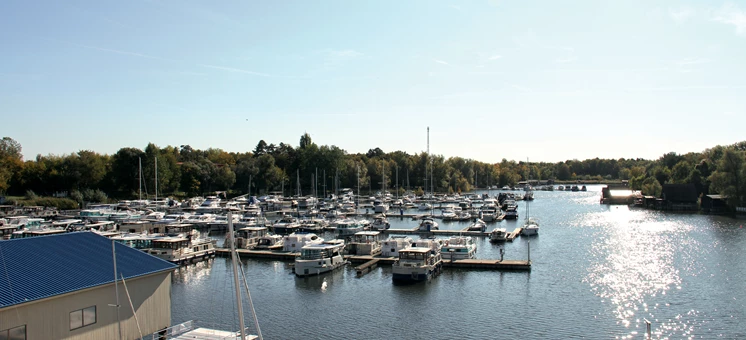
[514,234]
[416,231]
[367,266]
[507,265]
[368,263]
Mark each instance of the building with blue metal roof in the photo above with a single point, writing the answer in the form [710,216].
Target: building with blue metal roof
[62,286]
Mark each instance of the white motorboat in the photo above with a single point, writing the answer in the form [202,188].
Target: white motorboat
[459,248]
[95,215]
[269,242]
[286,225]
[349,226]
[380,207]
[416,264]
[182,249]
[320,258]
[211,204]
[313,225]
[380,223]
[478,225]
[295,241]
[428,224]
[248,237]
[499,235]
[392,245]
[364,243]
[448,213]
[425,206]
[435,244]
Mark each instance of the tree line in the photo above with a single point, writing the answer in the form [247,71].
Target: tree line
[185,171]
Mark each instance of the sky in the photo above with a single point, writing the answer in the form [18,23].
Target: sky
[538,80]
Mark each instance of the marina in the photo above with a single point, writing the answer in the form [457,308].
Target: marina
[581,245]
[539,266]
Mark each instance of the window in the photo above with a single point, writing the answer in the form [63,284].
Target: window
[15,333]
[82,317]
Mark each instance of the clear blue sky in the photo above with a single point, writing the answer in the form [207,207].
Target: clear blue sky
[545,80]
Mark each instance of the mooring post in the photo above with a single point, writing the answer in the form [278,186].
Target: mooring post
[529,251]
[648,328]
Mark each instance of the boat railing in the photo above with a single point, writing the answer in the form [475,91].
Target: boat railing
[174,331]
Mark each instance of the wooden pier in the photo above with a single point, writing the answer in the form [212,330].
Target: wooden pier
[368,263]
[514,234]
[488,264]
[263,254]
[416,231]
[367,267]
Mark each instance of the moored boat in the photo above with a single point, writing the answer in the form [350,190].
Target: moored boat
[296,241]
[428,224]
[459,248]
[416,264]
[392,245]
[478,225]
[364,243]
[499,235]
[182,249]
[320,258]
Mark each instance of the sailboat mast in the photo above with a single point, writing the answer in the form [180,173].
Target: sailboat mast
[156,182]
[397,181]
[234,264]
[116,287]
[139,160]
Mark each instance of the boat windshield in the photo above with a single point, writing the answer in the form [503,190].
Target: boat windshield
[311,254]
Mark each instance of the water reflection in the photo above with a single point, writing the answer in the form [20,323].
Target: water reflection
[633,261]
[192,272]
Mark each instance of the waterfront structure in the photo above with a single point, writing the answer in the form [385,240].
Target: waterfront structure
[416,264]
[62,287]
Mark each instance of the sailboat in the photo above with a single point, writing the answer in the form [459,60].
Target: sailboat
[178,331]
[530,225]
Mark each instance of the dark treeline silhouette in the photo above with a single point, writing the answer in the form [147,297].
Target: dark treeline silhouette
[184,171]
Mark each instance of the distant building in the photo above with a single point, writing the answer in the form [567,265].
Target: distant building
[617,194]
[713,204]
[62,287]
[679,197]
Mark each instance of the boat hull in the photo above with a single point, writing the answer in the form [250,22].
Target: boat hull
[311,267]
[414,275]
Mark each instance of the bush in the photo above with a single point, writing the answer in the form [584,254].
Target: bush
[59,203]
[95,196]
[77,196]
[31,195]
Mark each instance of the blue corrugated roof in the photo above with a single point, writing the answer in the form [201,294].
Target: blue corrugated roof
[39,267]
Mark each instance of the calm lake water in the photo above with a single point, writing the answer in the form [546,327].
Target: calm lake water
[598,272]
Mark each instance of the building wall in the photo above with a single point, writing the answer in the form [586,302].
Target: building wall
[50,318]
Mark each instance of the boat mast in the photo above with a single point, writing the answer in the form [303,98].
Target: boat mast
[116,287]
[397,181]
[139,159]
[156,183]
[235,275]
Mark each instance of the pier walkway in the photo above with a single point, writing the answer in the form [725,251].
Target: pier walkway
[370,262]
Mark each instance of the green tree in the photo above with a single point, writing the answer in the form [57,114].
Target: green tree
[680,172]
[11,161]
[730,177]
[651,186]
[563,172]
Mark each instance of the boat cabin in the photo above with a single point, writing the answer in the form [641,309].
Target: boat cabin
[365,243]
[248,237]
